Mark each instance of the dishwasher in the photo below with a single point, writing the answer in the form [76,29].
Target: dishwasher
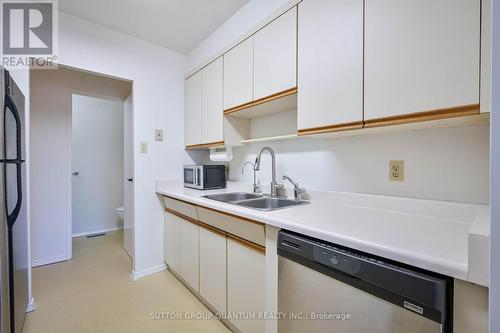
[323,287]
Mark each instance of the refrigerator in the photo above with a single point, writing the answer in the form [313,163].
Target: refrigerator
[14,257]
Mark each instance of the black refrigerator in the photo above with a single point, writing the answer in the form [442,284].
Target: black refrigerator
[14,257]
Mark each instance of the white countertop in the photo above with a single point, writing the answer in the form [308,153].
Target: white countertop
[429,234]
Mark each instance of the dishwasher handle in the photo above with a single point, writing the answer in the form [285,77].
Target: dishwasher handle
[417,291]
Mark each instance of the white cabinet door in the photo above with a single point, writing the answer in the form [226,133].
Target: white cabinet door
[172,246]
[275,56]
[245,285]
[193,110]
[213,268]
[420,55]
[330,63]
[238,74]
[212,108]
[190,253]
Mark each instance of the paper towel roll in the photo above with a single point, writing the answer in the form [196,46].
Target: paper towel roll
[221,154]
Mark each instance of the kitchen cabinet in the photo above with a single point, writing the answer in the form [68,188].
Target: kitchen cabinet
[172,246]
[212,103]
[190,253]
[193,110]
[275,56]
[330,55]
[421,60]
[213,267]
[238,74]
[245,284]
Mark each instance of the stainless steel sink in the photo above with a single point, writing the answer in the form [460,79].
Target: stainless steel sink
[268,204]
[233,197]
[255,201]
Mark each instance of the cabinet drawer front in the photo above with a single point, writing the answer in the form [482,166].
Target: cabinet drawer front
[181,207]
[252,231]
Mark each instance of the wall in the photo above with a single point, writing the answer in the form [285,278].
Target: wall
[50,154]
[158,89]
[97,140]
[241,22]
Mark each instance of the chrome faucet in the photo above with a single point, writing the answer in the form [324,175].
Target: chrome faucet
[298,192]
[256,185]
[277,190]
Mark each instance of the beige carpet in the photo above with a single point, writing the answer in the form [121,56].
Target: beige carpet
[94,293]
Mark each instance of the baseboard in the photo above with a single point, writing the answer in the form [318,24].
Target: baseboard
[137,275]
[31,305]
[46,261]
[97,231]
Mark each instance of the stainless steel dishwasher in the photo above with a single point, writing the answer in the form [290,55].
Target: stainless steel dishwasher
[328,288]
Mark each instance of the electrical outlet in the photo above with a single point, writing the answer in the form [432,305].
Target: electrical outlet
[144,147]
[158,134]
[397,171]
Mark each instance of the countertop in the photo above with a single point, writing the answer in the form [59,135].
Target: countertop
[433,235]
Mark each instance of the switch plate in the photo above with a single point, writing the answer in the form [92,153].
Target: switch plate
[144,147]
[397,171]
[158,134]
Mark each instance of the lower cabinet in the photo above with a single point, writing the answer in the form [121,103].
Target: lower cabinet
[213,267]
[190,253]
[172,247]
[245,285]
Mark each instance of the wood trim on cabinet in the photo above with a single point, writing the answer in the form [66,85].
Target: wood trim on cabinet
[331,128]
[262,100]
[212,209]
[217,231]
[464,110]
[205,145]
[182,216]
[250,245]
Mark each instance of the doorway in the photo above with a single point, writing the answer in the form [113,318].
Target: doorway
[67,176]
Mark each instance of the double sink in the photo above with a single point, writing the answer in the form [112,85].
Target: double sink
[255,201]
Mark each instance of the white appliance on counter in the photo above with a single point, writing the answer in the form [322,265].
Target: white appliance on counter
[334,289]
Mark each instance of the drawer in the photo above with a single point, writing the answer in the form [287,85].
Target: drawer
[181,207]
[246,229]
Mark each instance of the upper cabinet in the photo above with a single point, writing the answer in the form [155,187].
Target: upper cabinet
[238,75]
[330,51]
[212,103]
[204,106]
[275,56]
[421,59]
[193,110]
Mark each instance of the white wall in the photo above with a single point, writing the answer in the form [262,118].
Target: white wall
[241,22]
[97,154]
[158,89]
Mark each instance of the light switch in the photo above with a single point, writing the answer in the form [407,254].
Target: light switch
[158,134]
[144,147]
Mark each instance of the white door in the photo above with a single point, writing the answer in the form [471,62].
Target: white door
[238,74]
[420,55]
[190,253]
[128,195]
[212,109]
[97,164]
[330,63]
[193,110]
[172,241]
[275,56]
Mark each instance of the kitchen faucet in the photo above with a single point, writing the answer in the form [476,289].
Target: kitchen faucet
[256,185]
[298,192]
[277,190]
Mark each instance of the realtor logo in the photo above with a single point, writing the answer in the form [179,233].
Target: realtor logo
[28,32]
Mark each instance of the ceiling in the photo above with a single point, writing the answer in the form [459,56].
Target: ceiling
[176,24]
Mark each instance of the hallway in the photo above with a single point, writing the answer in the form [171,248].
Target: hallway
[93,292]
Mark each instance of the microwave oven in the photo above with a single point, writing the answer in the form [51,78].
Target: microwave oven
[205,177]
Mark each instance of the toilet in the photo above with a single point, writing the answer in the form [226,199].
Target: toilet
[119,212]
